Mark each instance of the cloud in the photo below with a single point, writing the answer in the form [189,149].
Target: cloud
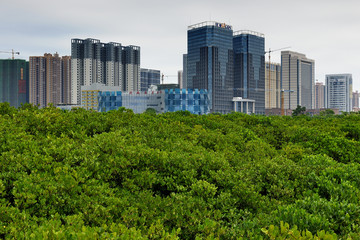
[326,31]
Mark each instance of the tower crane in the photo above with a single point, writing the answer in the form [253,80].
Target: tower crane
[12,52]
[269,72]
[162,77]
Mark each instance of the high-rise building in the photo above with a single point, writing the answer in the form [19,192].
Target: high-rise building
[180,79]
[66,79]
[37,81]
[108,63]
[355,99]
[319,95]
[210,63]
[47,79]
[339,92]
[13,81]
[184,75]
[53,78]
[249,67]
[132,68]
[272,85]
[297,80]
[149,77]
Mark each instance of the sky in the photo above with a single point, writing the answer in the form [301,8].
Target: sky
[327,31]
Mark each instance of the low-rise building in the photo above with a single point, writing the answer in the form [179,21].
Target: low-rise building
[99,97]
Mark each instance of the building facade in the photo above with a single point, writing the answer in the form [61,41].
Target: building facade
[13,81]
[66,79]
[249,67]
[184,75]
[297,74]
[149,77]
[246,106]
[49,79]
[210,63]
[180,78]
[319,95]
[99,97]
[90,93]
[355,100]
[108,63]
[339,92]
[37,81]
[272,85]
[195,101]
[53,79]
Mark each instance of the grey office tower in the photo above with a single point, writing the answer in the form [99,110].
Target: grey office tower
[109,63]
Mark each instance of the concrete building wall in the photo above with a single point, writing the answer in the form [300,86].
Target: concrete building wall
[110,64]
[272,86]
[66,80]
[319,95]
[297,79]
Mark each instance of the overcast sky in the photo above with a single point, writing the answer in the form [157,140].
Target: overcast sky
[327,31]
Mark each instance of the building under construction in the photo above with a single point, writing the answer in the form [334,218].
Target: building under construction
[14,78]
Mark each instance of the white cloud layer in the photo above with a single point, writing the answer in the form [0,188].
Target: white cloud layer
[325,30]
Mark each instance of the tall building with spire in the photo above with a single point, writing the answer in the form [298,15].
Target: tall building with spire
[108,63]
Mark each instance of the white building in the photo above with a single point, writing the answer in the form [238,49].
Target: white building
[339,92]
[108,63]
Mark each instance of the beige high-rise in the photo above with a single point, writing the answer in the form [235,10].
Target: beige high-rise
[47,79]
[355,99]
[272,86]
[298,81]
[319,95]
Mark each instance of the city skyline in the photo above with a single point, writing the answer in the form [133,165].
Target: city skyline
[308,27]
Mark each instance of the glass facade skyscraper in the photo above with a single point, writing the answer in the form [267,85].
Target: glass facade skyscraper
[14,81]
[249,67]
[210,63]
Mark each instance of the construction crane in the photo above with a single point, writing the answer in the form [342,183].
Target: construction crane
[12,52]
[269,71]
[282,100]
[162,77]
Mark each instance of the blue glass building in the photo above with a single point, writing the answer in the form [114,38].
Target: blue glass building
[170,100]
[210,63]
[249,67]
[195,101]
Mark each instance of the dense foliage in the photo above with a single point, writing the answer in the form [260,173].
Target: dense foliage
[120,175]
